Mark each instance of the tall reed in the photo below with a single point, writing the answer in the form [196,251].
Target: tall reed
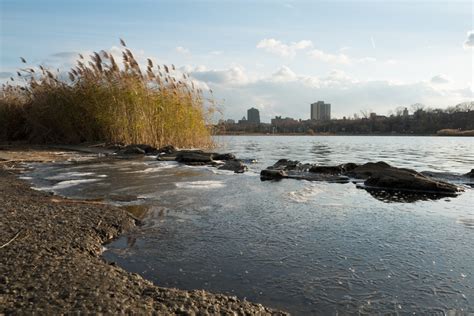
[106,100]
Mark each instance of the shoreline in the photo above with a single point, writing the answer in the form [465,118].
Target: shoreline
[340,135]
[50,257]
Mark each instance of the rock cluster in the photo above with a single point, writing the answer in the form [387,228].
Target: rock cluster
[378,175]
[226,161]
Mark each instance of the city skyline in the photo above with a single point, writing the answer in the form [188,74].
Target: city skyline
[401,52]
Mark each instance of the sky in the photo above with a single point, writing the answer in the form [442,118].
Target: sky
[277,56]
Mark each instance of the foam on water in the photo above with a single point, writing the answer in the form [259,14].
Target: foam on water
[200,184]
[65,184]
[70,175]
[306,194]
[156,168]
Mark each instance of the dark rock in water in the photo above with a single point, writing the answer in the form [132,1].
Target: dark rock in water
[293,169]
[377,176]
[366,170]
[285,164]
[326,169]
[235,165]
[149,150]
[168,149]
[339,169]
[193,156]
[130,150]
[272,174]
[137,149]
[470,174]
[408,180]
[227,156]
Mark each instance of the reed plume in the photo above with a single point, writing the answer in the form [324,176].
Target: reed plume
[102,100]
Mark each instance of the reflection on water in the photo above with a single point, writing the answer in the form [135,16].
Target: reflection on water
[395,196]
[306,247]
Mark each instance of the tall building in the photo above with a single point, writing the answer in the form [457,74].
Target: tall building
[320,111]
[253,116]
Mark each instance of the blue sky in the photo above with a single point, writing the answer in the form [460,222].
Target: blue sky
[278,56]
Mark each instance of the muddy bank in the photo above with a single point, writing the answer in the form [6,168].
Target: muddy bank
[50,260]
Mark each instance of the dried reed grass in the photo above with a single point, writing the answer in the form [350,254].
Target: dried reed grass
[103,100]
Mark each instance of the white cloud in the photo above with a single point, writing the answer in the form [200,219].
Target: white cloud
[284,74]
[182,50]
[329,58]
[285,92]
[440,79]
[469,43]
[277,47]
[232,76]
[339,58]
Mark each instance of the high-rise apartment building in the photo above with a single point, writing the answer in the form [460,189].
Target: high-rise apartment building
[320,111]
[253,116]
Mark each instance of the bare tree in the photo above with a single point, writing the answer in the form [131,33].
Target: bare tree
[365,113]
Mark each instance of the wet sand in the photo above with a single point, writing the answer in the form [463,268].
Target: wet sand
[50,256]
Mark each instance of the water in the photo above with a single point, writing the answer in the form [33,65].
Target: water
[305,247]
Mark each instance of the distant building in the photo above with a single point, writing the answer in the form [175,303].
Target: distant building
[374,116]
[243,121]
[320,111]
[253,116]
[405,112]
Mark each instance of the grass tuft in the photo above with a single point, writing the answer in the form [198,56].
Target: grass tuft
[102,100]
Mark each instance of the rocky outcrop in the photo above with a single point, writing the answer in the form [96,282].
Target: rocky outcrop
[273,174]
[227,156]
[293,169]
[130,150]
[168,149]
[408,180]
[235,165]
[226,161]
[194,156]
[137,149]
[376,175]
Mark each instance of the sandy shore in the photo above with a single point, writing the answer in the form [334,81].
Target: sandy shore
[50,259]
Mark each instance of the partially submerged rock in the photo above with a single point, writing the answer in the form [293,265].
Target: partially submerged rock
[470,174]
[137,149]
[235,165]
[273,174]
[376,175]
[227,156]
[408,180]
[293,169]
[194,156]
[202,158]
[130,150]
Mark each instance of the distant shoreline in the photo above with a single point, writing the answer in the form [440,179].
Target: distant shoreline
[339,134]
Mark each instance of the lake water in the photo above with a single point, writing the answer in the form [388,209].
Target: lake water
[305,247]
